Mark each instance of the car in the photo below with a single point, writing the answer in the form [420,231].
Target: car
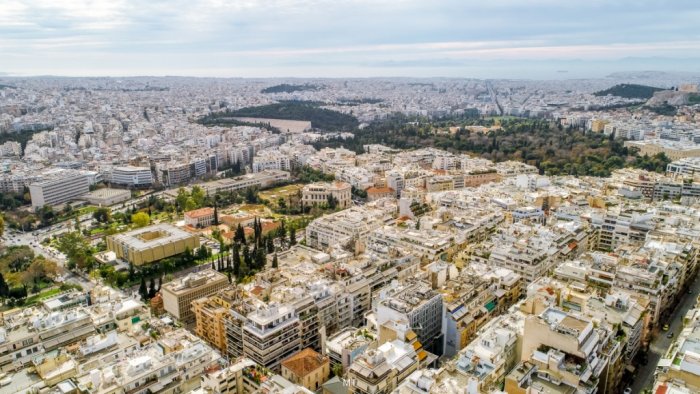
[665,328]
[669,335]
[6,381]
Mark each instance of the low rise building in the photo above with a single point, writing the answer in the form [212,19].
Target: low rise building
[200,218]
[319,193]
[106,197]
[307,368]
[151,243]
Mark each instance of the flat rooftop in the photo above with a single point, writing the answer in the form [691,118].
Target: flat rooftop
[151,236]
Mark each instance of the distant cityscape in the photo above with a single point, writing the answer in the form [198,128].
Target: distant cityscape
[347,236]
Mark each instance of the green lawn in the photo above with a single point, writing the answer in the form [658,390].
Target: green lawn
[33,299]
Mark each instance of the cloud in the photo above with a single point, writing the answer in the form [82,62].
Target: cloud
[333,37]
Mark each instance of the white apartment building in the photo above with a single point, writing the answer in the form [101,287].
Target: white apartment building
[271,160]
[267,335]
[132,176]
[358,177]
[58,187]
[419,305]
[355,223]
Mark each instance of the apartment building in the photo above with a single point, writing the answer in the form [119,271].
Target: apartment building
[358,177]
[426,244]
[269,335]
[679,367]
[480,367]
[151,243]
[179,294]
[319,193]
[419,305]
[477,178]
[380,371]
[30,333]
[354,223]
[243,376]
[131,176]
[560,351]
[174,363]
[345,346]
[688,166]
[622,226]
[210,314]
[472,299]
[58,187]
[271,160]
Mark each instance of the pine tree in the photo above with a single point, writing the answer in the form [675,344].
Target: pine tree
[274,261]
[247,260]
[239,236]
[282,231]
[229,276]
[152,288]
[4,288]
[143,291]
[160,283]
[260,259]
[292,236]
[236,260]
[270,245]
[131,271]
[256,229]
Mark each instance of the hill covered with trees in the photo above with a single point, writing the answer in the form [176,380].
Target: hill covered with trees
[630,91]
[555,151]
[288,88]
[320,118]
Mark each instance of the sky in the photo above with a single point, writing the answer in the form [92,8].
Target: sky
[538,39]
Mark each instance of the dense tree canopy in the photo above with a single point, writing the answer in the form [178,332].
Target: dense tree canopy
[629,90]
[553,150]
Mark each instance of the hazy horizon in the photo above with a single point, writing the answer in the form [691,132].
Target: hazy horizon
[510,39]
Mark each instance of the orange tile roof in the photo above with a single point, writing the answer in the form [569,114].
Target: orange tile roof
[304,362]
[201,212]
[379,190]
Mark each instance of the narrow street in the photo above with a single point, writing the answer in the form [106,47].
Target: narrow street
[660,344]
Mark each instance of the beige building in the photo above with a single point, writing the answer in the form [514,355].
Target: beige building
[210,318]
[675,150]
[478,178]
[202,217]
[307,368]
[375,193]
[371,373]
[106,197]
[151,243]
[179,294]
[319,192]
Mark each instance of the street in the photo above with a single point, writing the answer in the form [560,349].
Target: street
[33,242]
[660,344]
